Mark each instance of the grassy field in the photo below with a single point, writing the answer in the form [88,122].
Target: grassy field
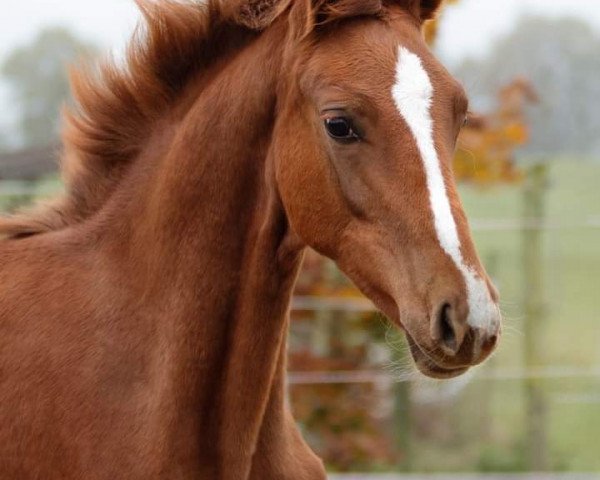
[569,343]
[536,476]
[571,266]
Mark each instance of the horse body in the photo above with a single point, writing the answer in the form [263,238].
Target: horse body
[133,364]
[105,385]
[144,335]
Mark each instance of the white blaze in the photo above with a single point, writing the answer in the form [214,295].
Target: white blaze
[413,94]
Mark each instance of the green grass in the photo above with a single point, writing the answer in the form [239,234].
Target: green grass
[570,334]
[571,260]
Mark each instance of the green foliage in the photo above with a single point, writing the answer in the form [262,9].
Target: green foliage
[37,75]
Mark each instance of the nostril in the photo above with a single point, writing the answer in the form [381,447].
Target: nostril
[447,332]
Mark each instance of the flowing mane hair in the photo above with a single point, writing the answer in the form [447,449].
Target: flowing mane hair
[117,102]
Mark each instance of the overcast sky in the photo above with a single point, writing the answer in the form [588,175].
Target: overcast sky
[472,26]
[469,29]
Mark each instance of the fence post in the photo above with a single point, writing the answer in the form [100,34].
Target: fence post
[402,428]
[533,290]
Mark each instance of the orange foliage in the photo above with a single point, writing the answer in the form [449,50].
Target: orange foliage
[487,146]
[342,422]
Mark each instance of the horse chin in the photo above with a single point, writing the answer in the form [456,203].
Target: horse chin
[428,367]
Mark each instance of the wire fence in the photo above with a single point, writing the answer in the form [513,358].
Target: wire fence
[369,376]
[362,305]
[532,476]
[16,189]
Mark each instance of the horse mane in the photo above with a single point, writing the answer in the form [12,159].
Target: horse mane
[117,102]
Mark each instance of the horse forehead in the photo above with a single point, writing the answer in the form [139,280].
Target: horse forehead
[360,60]
[367,62]
[354,48]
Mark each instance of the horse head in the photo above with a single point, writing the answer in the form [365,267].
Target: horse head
[363,144]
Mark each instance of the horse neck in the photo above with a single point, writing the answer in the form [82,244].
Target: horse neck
[204,235]
[201,193]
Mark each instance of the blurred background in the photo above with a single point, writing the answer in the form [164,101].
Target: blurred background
[529,168]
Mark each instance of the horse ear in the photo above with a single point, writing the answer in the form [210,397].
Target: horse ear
[428,8]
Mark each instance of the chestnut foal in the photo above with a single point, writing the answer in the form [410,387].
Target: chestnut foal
[143,317]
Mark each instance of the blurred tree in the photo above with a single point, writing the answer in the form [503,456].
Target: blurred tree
[343,422]
[560,59]
[488,144]
[37,77]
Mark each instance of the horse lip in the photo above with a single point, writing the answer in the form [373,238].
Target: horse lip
[423,361]
[429,367]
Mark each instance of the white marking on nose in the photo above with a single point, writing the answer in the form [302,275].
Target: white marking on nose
[413,95]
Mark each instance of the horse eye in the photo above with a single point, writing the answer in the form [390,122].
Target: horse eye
[341,129]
